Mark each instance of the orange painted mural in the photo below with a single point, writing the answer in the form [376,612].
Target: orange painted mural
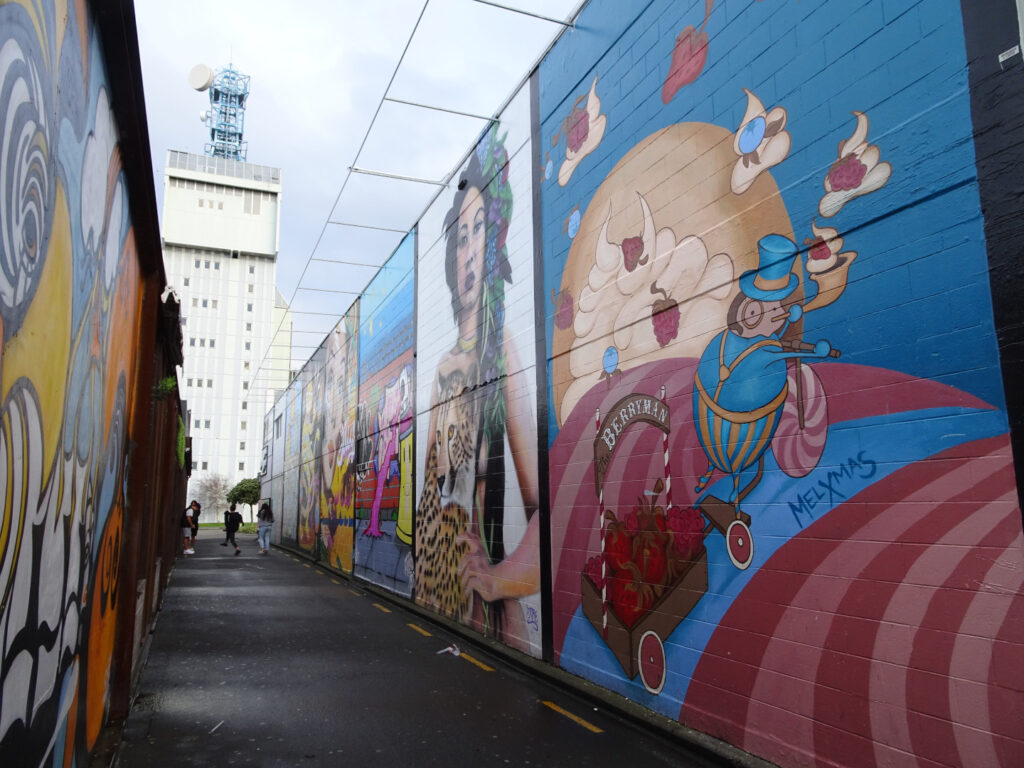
[69,307]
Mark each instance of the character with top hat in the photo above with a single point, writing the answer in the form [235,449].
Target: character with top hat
[741,382]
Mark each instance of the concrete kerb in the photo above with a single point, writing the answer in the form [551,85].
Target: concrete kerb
[590,693]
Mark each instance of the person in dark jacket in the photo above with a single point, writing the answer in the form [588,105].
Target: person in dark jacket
[232,521]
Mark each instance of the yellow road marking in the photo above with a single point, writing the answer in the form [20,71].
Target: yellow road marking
[421,630]
[380,607]
[356,592]
[306,565]
[575,718]
[335,581]
[318,572]
[479,663]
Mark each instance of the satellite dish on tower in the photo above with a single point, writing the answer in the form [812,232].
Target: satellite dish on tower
[201,77]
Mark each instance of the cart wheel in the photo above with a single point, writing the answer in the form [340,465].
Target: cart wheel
[651,657]
[739,544]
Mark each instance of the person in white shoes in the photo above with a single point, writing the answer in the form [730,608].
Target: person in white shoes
[186,525]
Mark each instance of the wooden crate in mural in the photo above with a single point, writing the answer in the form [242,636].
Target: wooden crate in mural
[647,635]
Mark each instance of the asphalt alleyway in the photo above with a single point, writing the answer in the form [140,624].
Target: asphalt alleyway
[269,661]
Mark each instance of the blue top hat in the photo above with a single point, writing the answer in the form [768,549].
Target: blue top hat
[773,279]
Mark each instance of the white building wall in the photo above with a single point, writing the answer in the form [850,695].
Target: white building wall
[220,251]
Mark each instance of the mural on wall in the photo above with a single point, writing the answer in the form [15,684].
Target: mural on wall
[311,449]
[766,458]
[477,531]
[69,306]
[384,424]
[292,442]
[337,458]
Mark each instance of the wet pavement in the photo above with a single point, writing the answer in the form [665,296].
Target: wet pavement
[269,661]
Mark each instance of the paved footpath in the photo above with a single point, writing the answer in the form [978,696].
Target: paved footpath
[269,661]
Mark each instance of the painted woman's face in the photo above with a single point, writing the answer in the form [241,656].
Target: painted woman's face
[470,244]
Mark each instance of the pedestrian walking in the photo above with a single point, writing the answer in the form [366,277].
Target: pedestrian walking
[186,527]
[232,520]
[196,508]
[265,520]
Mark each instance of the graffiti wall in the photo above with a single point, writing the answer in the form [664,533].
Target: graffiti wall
[384,424]
[477,531]
[311,385]
[70,307]
[782,493]
[765,466]
[337,456]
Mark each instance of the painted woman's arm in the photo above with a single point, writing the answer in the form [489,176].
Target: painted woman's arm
[522,429]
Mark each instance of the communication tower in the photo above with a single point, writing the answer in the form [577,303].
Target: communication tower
[229,90]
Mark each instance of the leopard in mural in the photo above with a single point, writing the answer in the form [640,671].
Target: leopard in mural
[444,511]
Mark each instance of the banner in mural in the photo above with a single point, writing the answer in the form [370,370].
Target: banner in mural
[774,435]
[477,531]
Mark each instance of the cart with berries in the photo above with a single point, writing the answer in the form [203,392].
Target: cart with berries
[653,566]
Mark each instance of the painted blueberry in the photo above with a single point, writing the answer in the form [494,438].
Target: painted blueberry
[751,134]
[574,223]
[611,360]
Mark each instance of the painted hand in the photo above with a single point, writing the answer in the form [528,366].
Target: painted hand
[476,572]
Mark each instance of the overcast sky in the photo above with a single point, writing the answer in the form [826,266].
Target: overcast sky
[319,69]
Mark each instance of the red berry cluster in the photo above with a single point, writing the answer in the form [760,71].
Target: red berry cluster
[646,553]
[579,128]
[846,173]
[665,317]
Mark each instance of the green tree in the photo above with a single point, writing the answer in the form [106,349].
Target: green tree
[247,491]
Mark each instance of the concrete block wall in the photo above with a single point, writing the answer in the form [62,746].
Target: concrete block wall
[707,401]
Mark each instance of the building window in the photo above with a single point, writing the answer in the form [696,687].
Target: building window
[212,342]
[246,365]
[206,264]
[245,405]
[245,385]
[252,269]
[195,302]
[213,305]
[248,307]
[210,202]
[204,303]
[216,265]
[250,287]
[204,465]
[190,382]
[192,341]
[206,424]
[241,465]
[186,282]
[183,321]
[220,206]
[199,383]
[197,263]
[195,465]
[244,423]
[248,326]
[241,445]
[209,382]
[200,202]
[202,342]
[277,426]
[248,346]
[196,424]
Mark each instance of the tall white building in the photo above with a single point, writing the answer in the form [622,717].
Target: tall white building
[220,240]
